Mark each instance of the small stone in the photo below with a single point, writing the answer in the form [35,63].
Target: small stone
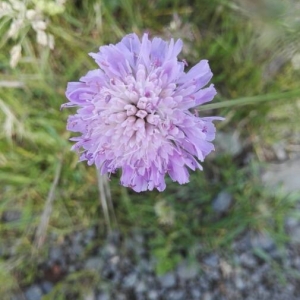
[279,149]
[248,260]
[89,297]
[176,295]
[93,263]
[130,280]
[108,251]
[207,296]
[262,293]
[225,268]
[150,281]
[168,280]
[295,235]
[76,249]
[262,240]
[140,287]
[56,254]
[129,247]
[108,272]
[291,222]
[138,237]
[239,283]
[213,275]
[115,260]
[153,295]
[296,262]
[243,244]
[34,292]
[196,293]
[222,202]
[77,237]
[71,269]
[285,175]
[211,260]
[90,233]
[126,265]
[203,283]
[114,238]
[120,296]
[11,216]
[187,272]
[140,296]
[257,276]
[46,286]
[144,266]
[104,296]
[228,143]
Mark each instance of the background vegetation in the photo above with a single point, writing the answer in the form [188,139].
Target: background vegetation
[253,49]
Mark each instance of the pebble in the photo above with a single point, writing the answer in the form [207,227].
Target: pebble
[248,260]
[56,253]
[11,216]
[153,295]
[108,251]
[239,283]
[77,249]
[34,292]
[89,297]
[211,260]
[262,240]
[130,280]
[207,296]
[46,286]
[145,266]
[285,175]
[124,275]
[103,296]
[196,293]
[93,263]
[120,296]
[222,202]
[186,271]
[295,235]
[228,143]
[176,295]
[114,238]
[213,275]
[168,280]
[140,287]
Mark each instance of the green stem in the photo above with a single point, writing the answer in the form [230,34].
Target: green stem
[252,100]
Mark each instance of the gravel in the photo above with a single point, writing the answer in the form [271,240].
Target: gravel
[127,269]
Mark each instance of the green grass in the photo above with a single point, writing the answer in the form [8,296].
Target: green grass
[33,138]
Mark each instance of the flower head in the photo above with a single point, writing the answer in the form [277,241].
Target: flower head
[135,113]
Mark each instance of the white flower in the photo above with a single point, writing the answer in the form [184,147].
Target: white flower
[18,5]
[296,61]
[31,14]
[5,9]
[15,55]
[51,41]
[41,38]
[15,27]
[39,25]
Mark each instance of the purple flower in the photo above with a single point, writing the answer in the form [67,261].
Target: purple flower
[135,113]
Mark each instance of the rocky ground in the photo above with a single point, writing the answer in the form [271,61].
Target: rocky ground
[254,269]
